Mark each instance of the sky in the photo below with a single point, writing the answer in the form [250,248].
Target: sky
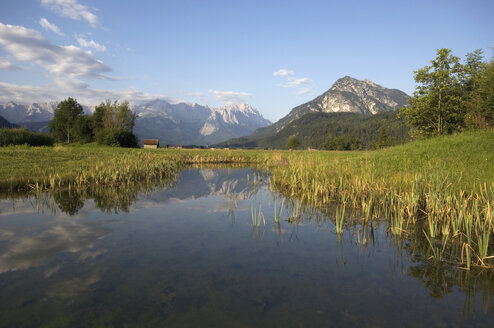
[274,55]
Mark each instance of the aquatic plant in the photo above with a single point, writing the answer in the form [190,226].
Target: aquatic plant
[339,218]
[257,216]
[277,215]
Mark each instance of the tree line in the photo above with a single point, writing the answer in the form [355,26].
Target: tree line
[343,131]
[110,124]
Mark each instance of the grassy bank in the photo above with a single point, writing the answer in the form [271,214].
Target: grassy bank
[39,168]
[437,193]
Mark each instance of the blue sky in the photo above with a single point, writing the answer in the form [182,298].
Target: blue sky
[274,55]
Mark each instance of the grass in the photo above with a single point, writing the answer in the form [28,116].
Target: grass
[444,186]
[24,167]
[438,193]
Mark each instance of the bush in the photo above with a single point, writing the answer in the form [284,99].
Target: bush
[292,142]
[21,136]
[116,137]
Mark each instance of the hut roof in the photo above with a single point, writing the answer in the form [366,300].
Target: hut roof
[153,142]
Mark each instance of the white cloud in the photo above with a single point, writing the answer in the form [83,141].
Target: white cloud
[230,96]
[293,82]
[7,65]
[71,9]
[27,45]
[196,94]
[306,91]
[63,65]
[61,89]
[90,44]
[283,72]
[49,26]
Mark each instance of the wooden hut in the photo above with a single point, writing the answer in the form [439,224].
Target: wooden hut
[151,143]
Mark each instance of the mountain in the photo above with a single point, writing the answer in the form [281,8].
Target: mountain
[179,123]
[6,124]
[16,113]
[345,95]
[184,123]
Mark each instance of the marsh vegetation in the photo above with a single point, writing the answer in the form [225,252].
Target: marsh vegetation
[438,192]
[221,246]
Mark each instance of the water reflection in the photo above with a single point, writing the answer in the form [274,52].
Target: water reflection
[188,254]
[26,249]
[194,183]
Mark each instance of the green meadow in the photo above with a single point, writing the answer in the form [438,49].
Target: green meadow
[436,193]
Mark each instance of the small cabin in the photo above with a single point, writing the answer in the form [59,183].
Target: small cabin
[151,143]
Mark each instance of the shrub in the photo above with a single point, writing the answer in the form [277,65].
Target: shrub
[21,136]
[292,142]
[116,137]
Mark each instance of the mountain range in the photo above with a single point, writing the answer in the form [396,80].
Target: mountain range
[243,126]
[16,113]
[184,123]
[179,123]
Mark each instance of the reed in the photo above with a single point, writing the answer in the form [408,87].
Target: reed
[257,216]
[442,185]
[277,214]
[339,218]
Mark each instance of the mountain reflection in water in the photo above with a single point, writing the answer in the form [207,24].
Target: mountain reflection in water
[185,253]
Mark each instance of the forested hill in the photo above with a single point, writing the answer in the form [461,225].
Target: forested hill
[346,95]
[6,124]
[313,129]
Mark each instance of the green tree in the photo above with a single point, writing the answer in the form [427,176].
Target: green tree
[473,66]
[343,142]
[437,105]
[292,142]
[480,100]
[116,137]
[114,115]
[65,125]
[383,139]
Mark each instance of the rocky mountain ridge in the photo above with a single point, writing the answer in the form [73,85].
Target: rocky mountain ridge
[172,123]
[345,95]
[184,123]
[37,112]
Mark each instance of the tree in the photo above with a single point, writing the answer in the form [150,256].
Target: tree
[437,105]
[116,137]
[480,101]
[343,142]
[383,139]
[292,142]
[66,120]
[114,115]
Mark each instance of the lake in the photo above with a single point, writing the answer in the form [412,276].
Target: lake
[187,254]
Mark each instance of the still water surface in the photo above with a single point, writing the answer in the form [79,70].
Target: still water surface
[188,255]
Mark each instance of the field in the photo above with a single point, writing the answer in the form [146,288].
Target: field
[438,194]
